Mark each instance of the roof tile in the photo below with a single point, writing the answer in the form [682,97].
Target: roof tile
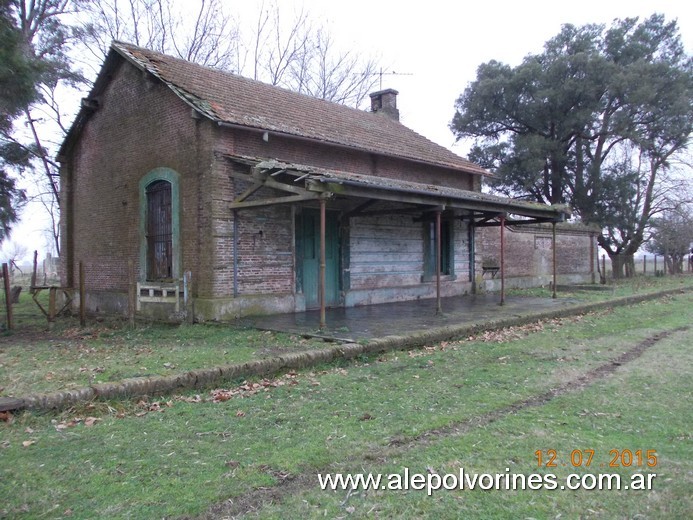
[231,98]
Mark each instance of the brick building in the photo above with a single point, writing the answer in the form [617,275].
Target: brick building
[177,168]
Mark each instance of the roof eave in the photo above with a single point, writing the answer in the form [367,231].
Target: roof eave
[227,124]
[110,64]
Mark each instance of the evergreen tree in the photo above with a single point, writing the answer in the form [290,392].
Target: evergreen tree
[593,121]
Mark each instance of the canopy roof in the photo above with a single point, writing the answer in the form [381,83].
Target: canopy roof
[304,183]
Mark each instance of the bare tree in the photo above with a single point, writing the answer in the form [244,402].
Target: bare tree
[672,237]
[328,73]
[206,35]
[289,51]
[279,49]
[13,252]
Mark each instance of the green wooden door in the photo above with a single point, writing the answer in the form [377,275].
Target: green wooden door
[308,264]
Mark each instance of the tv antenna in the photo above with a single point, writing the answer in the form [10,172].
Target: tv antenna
[382,73]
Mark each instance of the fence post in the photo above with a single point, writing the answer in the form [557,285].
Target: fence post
[8,296]
[33,273]
[604,267]
[644,264]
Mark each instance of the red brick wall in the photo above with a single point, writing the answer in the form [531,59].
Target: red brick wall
[266,235]
[239,142]
[140,125]
[528,249]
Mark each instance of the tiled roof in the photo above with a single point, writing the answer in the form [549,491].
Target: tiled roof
[233,99]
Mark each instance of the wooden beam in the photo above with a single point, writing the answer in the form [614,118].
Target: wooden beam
[271,183]
[511,222]
[274,200]
[358,209]
[350,189]
[266,182]
[247,193]
[399,211]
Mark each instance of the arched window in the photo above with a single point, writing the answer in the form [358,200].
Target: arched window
[159,231]
[160,254]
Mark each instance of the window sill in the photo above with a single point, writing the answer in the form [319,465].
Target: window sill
[443,278]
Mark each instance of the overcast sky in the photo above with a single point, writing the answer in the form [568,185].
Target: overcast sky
[441,43]
[437,45]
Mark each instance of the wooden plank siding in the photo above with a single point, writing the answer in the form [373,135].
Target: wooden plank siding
[462,270]
[387,251]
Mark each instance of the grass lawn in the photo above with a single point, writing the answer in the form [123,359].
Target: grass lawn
[34,360]
[482,404]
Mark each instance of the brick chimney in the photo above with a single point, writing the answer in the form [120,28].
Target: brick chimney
[385,101]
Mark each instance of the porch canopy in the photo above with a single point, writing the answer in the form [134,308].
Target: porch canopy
[357,194]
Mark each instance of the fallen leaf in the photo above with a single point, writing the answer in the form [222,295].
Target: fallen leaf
[194,399]
[232,463]
[240,413]
[91,421]
[6,417]
[26,444]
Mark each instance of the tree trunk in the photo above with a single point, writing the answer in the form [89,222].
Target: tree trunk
[674,264]
[622,265]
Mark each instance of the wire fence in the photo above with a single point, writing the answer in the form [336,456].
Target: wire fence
[647,265]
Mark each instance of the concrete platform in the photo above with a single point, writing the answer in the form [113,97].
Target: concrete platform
[387,319]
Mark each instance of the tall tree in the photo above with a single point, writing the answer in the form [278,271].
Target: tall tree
[593,121]
[45,40]
[20,72]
